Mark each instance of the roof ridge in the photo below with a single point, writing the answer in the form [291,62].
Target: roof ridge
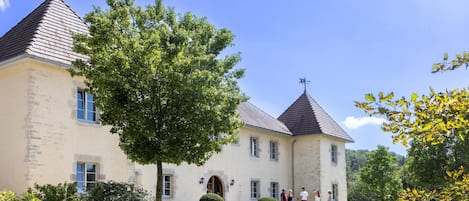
[256,117]
[45,33]
[260,109]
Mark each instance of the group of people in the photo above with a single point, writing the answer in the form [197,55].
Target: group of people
[304,195]
[286,196]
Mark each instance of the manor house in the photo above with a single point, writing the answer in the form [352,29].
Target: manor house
[50,132]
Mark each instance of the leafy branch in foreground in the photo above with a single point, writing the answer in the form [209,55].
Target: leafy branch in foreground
[429,118]
[439,118]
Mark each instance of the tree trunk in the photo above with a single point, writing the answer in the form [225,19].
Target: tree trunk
[159,181]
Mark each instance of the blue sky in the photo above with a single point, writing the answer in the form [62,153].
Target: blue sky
[345,47]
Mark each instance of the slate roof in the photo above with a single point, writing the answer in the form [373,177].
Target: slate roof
[46,33]
[306,117]
[255,117]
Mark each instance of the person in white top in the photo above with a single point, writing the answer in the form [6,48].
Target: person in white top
[304,194]
[317,197]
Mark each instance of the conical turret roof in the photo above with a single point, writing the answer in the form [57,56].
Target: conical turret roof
[306,117]
[46,34]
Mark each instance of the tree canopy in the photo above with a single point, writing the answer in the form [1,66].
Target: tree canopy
[436,125]
[161,82]
[378,178]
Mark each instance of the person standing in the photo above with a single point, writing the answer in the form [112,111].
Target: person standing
[317,196]
[329,198]
[304,194]
[283,196]
[290,195]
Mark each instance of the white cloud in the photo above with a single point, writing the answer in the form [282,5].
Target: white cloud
[352,122]
[4,4]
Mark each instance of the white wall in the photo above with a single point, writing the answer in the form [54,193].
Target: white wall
[233,163]
[13,117]
[333,173]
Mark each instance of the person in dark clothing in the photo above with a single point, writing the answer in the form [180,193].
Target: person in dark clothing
[283,196]
[290,195]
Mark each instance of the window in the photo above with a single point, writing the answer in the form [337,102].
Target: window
[255,188]
[274,190]
[167,186]
[86,176]
[255,147]
[334,154]
[86,109]
[335,191]
[273,151]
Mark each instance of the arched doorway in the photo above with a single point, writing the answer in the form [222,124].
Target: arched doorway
[215,185]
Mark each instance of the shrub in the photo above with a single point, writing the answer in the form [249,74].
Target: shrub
[28,196]
[110,191]
[211,197]
[59,192]
[267,199]
[8,196]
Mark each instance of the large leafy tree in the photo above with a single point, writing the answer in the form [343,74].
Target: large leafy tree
[430,121]
[161,82]
[427,164]
[379,179]
[355,161]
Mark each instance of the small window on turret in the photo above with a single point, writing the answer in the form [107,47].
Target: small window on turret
[334,154]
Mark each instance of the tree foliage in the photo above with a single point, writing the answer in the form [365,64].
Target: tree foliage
[59,192]
[436,124]
[110,191]
[355,160]
[160,82]
[211,197]
[7,195]
[428,164]
[379,179]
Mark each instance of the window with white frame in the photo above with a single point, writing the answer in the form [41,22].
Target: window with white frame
[255,147]
[86,109]
[255,189]
[335,191]
[334,154]
[273,151]
[274,190]
[86,176]
[167,191]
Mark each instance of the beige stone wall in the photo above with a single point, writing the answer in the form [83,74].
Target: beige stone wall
[233,163]
[13,117]
[42,135]
[60,139]
[333,173]
[307,158]
[314,169]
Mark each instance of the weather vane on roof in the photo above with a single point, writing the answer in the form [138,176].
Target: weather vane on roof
[304,81]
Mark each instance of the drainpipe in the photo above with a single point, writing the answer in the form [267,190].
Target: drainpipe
[293,166]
